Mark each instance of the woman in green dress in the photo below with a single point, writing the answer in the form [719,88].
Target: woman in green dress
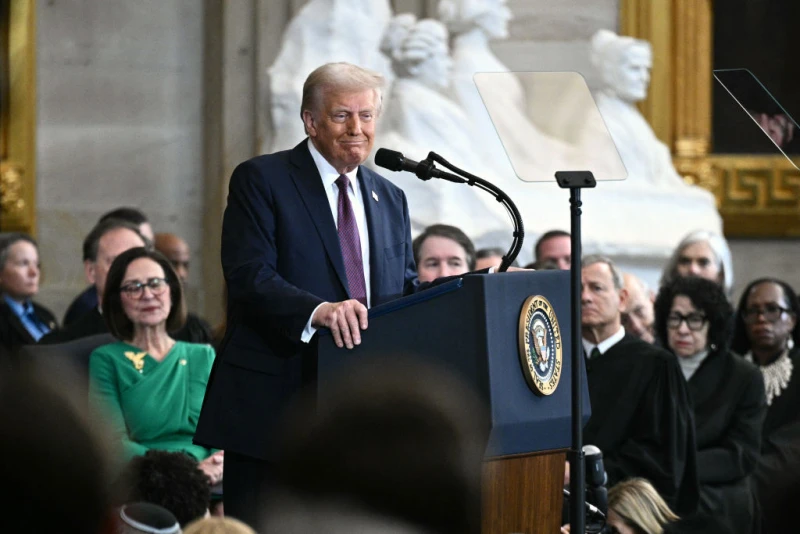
[149,387]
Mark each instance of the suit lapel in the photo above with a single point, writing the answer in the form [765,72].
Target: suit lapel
[16,324]
[374,228]
[309,183]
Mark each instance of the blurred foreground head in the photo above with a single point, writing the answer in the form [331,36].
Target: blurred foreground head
[53,468]
[394,444]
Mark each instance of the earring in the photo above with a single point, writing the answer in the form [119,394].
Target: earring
[713,346]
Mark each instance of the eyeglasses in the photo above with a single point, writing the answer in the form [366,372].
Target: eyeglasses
[771,313]
[136,289]
[694,321]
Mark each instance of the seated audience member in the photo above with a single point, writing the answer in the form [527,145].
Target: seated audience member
[54,466]
[490,257]
[442,250]
[168,479]
[553,250]
[692,321]
[22,321]
[637,315]
[767,333]
[635,507]
[703,254]
[88,300]
[641,413]
[176,250]
[395,441]
[218,525]
[148,386]
[146,518]
[104,243]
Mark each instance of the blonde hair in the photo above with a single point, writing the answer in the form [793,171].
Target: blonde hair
[217,525]
[339,77]
[638,504]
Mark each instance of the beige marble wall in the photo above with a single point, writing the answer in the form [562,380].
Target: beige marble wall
[119,123]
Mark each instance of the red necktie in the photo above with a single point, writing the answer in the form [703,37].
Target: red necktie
[350,242]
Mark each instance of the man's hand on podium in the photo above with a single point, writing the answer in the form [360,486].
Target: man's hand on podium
[344,319]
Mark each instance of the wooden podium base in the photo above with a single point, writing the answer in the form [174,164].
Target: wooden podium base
[523,494]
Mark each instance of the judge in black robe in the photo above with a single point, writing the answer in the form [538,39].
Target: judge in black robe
[641,414]
[767,332]
[727,393]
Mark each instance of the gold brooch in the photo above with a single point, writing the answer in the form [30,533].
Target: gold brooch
[137,358]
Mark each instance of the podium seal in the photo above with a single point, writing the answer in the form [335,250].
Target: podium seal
[540,345]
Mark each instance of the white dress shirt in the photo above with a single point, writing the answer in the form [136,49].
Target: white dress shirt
[604,345]
[329,176]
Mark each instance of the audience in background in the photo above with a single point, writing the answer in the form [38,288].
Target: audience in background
[218,525]
[176,250]
[637,314]
[89,299]
[553,250]
[394,439]
[767,333]
[169,479]
[146,518]
[22,321]
[489,257]
[704,254]
[641,412]
[693,321]
[53,465]
[105,242]
[442,250]
[149,386]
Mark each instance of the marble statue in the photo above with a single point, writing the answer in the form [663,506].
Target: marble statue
[321,32]
[421,117]
[624,65]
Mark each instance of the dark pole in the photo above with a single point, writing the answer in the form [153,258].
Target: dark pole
[575,181]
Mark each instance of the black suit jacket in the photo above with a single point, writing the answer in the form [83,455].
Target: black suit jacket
[13,333]
[281,259]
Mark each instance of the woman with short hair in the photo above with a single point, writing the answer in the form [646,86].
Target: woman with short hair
[148,386]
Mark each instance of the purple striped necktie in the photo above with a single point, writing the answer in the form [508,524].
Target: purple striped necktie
[350,243]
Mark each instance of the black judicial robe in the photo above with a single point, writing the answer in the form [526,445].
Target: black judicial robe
[729,403]
[777,477]
[642,420]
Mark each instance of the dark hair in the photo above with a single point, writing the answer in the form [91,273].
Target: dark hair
[91,244]
[168,479]
[705,295]
[54,465]
[7,240]
[740,342]
[400,437]
[545,236]
[128,214]
[450,232]
[119,324]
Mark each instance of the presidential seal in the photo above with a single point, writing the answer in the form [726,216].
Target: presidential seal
[540,345]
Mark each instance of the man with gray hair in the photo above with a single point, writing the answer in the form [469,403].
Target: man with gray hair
[641,414]
[310,239]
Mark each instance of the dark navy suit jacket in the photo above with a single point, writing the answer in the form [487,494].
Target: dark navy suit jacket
[281,258]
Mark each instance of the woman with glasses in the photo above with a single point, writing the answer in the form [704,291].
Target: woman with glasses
[692,320]
[149,387]
[767,333]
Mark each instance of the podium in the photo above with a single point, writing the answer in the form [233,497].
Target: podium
[471,327]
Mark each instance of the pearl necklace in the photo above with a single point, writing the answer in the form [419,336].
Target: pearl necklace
[776,375]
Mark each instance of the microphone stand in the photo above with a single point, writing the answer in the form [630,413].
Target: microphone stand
[425,172]
[575,181]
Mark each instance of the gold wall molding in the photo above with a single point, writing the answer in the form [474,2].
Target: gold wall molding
[757,196]
[18,173]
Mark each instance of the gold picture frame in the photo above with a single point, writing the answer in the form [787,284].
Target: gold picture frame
[18,116]
[757,196]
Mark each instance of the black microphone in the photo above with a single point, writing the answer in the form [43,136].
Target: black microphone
[395,161]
